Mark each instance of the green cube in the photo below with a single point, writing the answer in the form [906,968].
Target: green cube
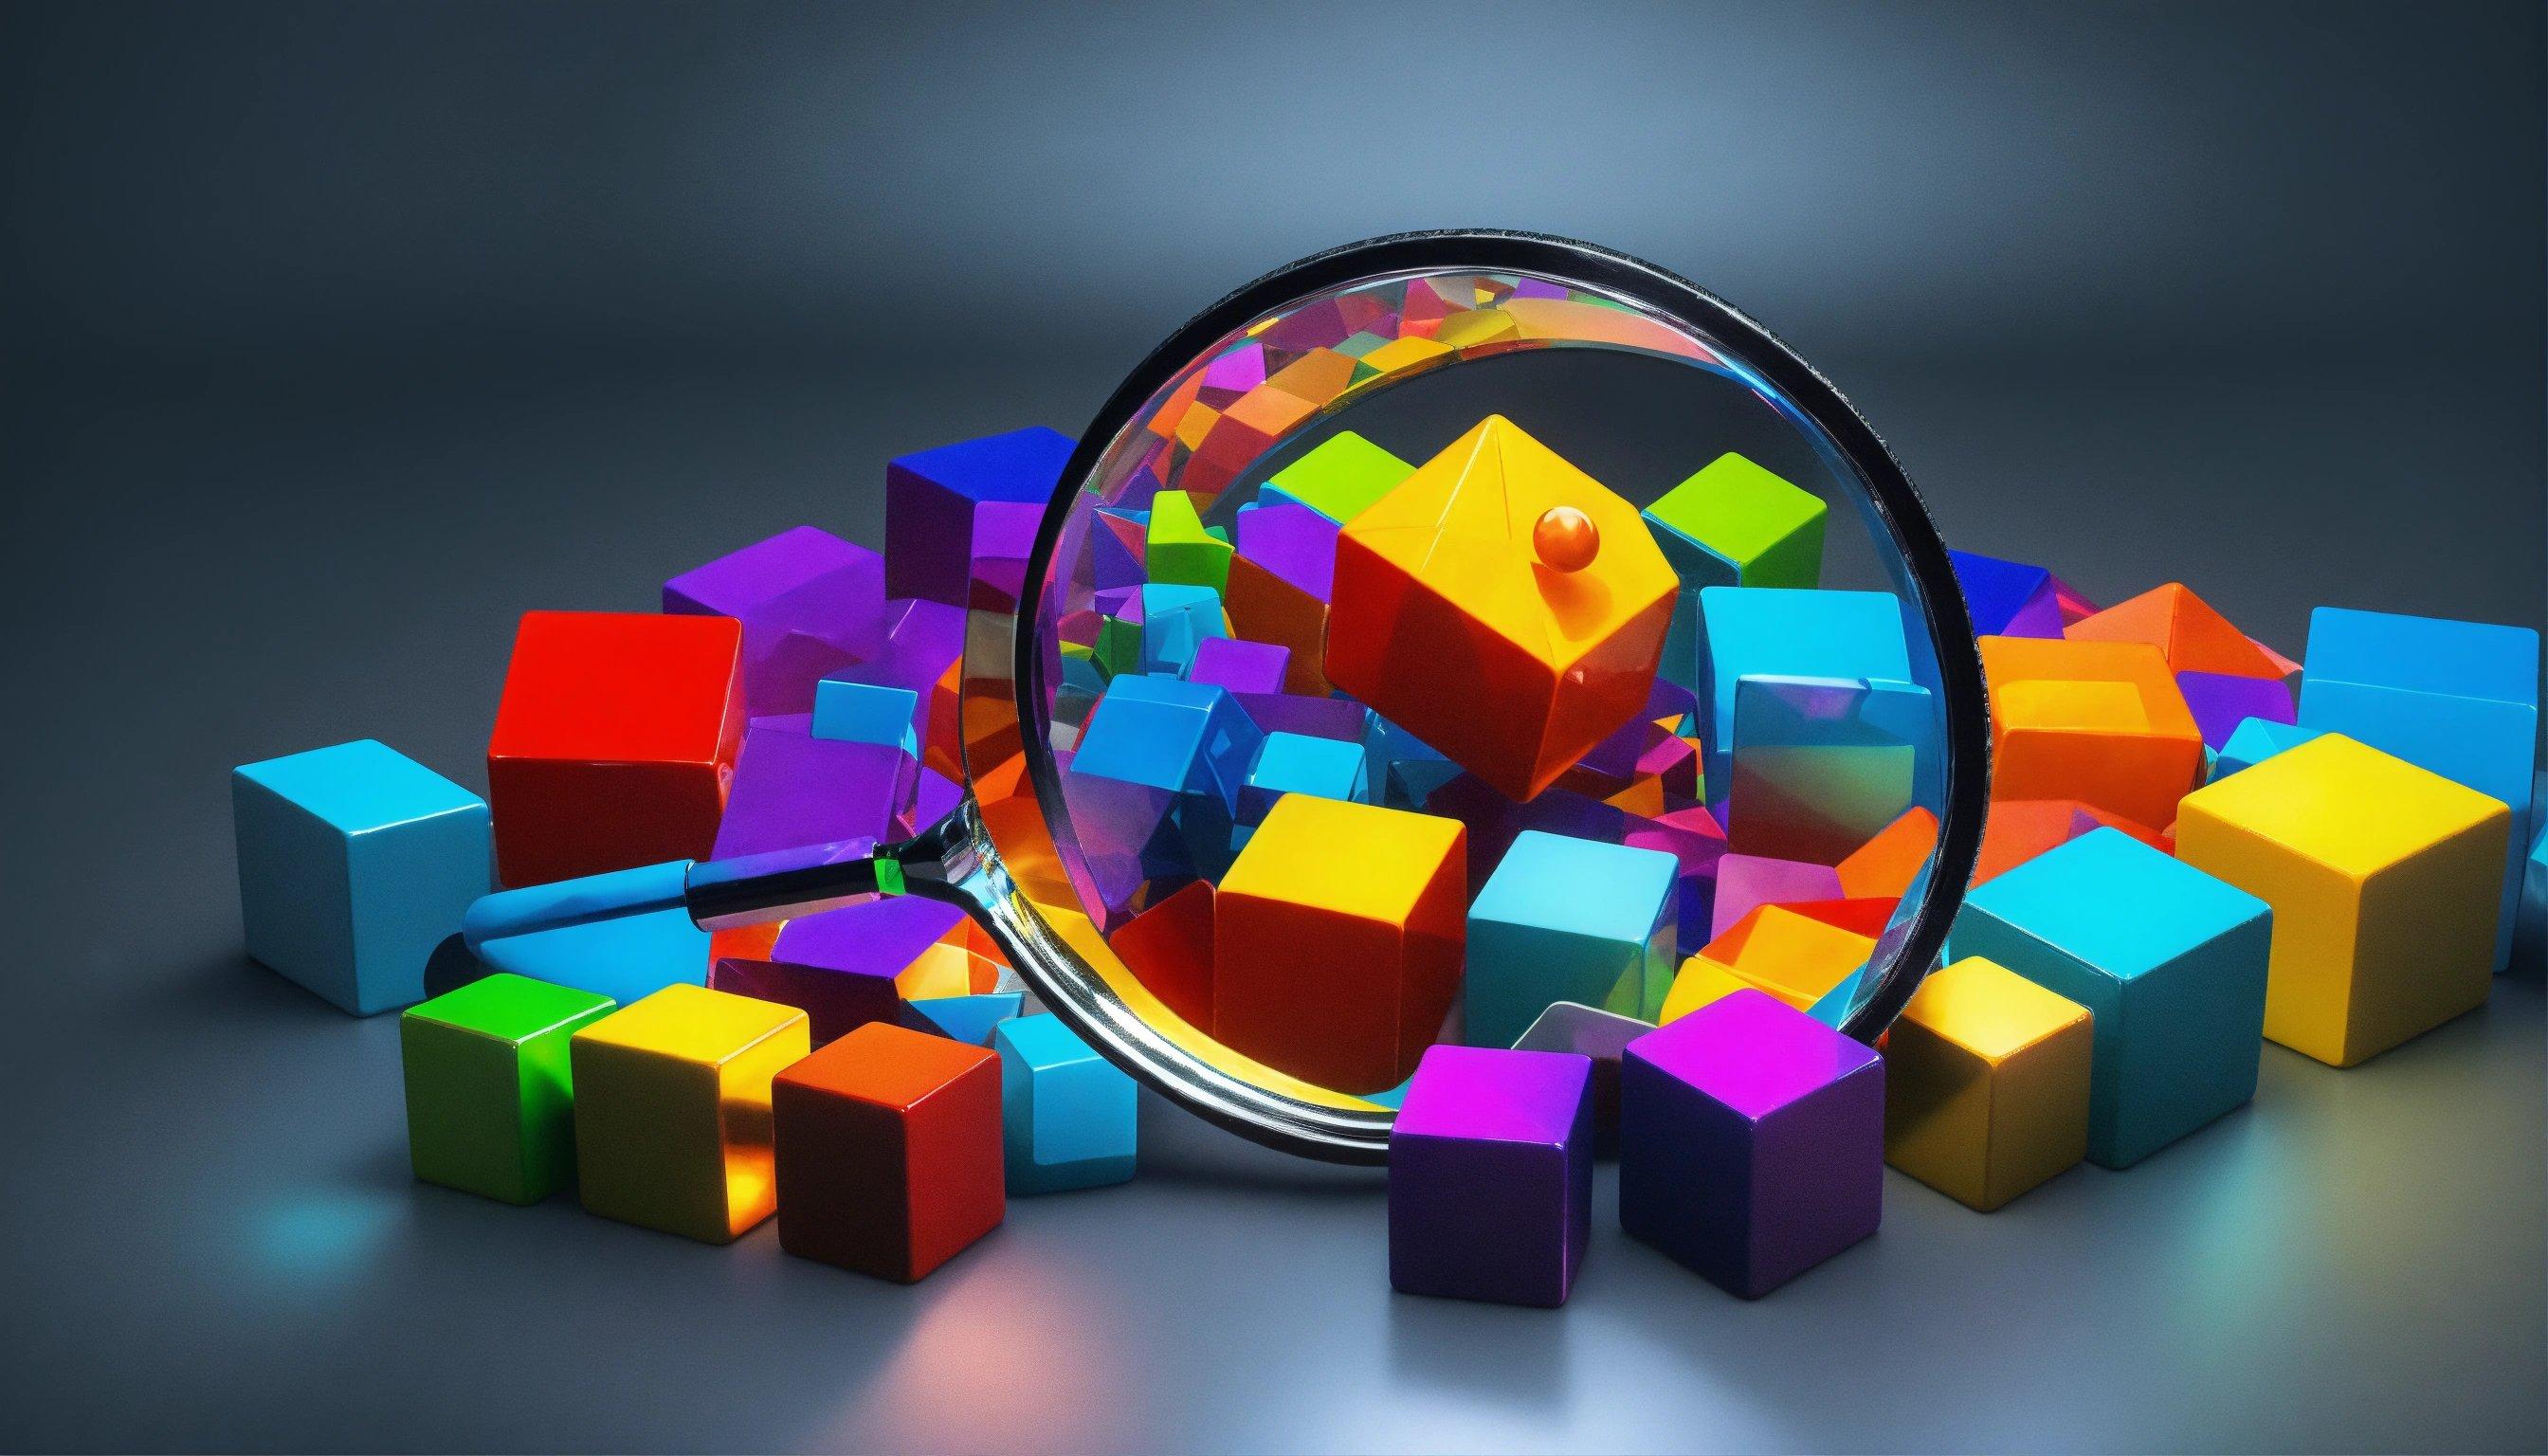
[1179,550]
[1339,478]
[1119,646]
[1735,524]
[489,1097]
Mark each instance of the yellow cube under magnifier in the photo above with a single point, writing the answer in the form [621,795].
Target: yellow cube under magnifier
[1986,1083]
[2385,880]
[672,1110]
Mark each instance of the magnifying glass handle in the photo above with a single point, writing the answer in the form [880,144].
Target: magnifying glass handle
[748,889]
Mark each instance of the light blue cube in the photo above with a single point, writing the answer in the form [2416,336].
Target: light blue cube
[2457,699]
[1787,632]
[2169,960]
[866,712]
[967,1019]
[1566,919]
[355,862]
[1187,738]
[2252,741]
[1068,1118]
[1175,621]
[1296,763]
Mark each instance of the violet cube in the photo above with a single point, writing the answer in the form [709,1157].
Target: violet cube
[2221,702]
[1295,543]
[1491,1176]
[931,500]
[838,966]
[1238,664]
[792,788]
[809,602]
[1744,882]
[1004,533]
[1750,1142]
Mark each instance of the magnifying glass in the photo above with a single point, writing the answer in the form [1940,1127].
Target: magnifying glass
[1438,581]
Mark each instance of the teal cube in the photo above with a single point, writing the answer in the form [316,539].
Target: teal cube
[355,862]
[1296,763]
[2456,698]
[1565,919]
[1175,621]
[490,1086]
[2169,960]
[2252,741]
[1067,1116]
[1746,631]
[867,712]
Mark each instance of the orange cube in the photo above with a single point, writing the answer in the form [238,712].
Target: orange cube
[2187,631]
[2101,723]
[1337,937]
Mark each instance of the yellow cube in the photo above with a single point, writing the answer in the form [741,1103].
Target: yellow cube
[672,1110]
[1986,1083]
[1700,982]
[2385,881]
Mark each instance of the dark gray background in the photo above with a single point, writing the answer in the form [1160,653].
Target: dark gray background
[337,337]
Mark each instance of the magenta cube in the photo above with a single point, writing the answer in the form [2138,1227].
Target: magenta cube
[1750,1142]
[838,967]
[1744,882]
[1491,1176]
[1239,665]
[792,788]
[809,602]
[935,526]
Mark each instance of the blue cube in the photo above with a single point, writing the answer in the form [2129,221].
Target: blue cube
[2457,699]
[1296,763]
[1186,737]
[2006,599]
[866,712]
[1565,919]
[355,862]
[1175,621]
[2169,960]
[2252,741]
[1790,633]
[1067,1116]
[934,500]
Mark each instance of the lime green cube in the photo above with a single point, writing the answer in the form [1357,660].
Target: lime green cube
[1736,524]
[1339,480]
[1179,551]
[489,1097]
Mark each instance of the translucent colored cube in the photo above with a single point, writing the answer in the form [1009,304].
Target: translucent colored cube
[1750,1142]
[1986,1080]
[672,1110]
[887,1151]
[490,1093]
[1491,1176]
[354,863]
[1564,919]
[2385,881]
[1068,1116]
[2169,960]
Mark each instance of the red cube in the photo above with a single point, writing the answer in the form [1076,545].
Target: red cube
[888,1151]
[614,742]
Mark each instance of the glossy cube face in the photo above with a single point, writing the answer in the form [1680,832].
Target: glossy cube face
[2385,881]
[1774,948]
[1750,1142]
[842,967]
[2100,722]
[1737,524]
[1821,765]
[1745,631]
[1069,1114]
[2187,631]
[613,743]
[809,602]
[490,1091]
[888,1151]
[1440,599]
[2006,599]
[1566,919]
[937,501]
[1179,549]
[672,1110]
[1491,1176]
[354,863]
[2169,960]
[1986,1085]
[793,788]
[2457,699]
[1338,479]
[1337,935]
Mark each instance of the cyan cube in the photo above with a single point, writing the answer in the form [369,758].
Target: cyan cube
[1564,919]
[933,506]
[1750,1142]
[1788,633]
[2254,741]
[1491,1176]
[2456,698]
[1294,762]
[867,712]
[355,862]
[1067,1116]
[2170,962]
[1186,737]
[1176,621]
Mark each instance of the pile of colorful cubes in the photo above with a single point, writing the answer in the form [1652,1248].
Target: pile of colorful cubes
[1593,864]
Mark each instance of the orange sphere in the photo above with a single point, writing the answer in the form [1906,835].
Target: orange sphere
[1566,538]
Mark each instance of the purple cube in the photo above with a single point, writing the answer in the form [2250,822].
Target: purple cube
[838,967]
[1744,882]
[1750,1142]
[793,788]
[1239,665]
[1295,543]
[932,505]
[2220,703]
[1491,1176]
[809,602]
